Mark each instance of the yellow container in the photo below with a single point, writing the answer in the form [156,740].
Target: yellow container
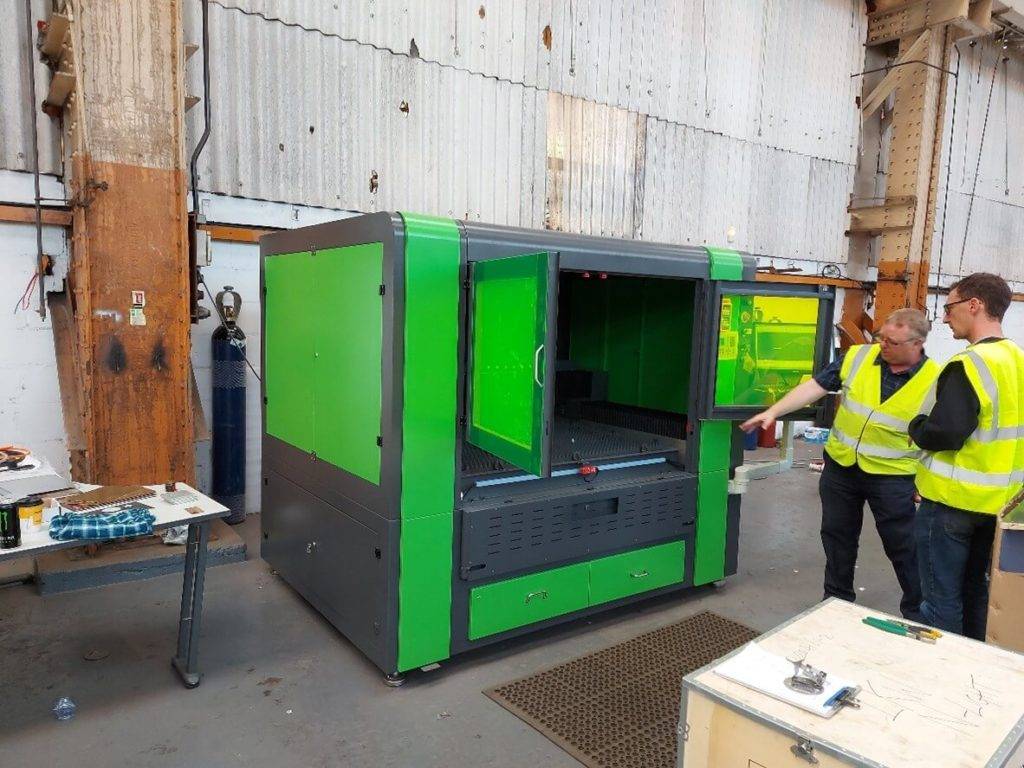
[31,511]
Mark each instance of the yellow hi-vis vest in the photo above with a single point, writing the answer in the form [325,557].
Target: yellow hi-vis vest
[871,433]
[989,469]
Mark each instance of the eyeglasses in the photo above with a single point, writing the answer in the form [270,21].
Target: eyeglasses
[890,343]
[945,307]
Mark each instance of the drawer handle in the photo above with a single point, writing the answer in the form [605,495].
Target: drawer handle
[638,574]
[542,594]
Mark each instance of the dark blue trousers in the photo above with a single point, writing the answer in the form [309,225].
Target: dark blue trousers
[954,551]
[844,490]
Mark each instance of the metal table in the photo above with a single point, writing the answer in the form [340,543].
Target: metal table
[185,661]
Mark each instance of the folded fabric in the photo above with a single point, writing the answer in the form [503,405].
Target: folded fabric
[133,521]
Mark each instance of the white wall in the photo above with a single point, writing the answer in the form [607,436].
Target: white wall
[30,406]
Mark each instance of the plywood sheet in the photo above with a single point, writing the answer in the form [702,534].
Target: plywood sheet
[950,704]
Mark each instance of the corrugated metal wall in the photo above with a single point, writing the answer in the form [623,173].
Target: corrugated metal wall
[15,98]
[664,120]
[995,240]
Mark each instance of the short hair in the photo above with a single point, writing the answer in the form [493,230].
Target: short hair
[991,290]
[914,319]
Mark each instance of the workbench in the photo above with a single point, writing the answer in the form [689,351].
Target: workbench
[185,661]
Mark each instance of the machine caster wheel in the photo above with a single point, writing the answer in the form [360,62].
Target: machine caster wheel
[718,584]
[394,681]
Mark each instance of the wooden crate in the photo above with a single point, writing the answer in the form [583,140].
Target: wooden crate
[956,703]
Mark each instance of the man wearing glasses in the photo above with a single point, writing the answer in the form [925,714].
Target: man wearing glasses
[868,456]
[973,461]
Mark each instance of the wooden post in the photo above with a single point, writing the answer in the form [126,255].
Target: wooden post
[913,174]
[905,221]
[129,363]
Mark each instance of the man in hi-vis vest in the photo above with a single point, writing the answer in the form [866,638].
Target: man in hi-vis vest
[973,459]
[868,456]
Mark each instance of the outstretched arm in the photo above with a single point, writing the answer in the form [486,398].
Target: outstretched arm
[798,397]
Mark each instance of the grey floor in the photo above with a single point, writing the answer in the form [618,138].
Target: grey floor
[282,688]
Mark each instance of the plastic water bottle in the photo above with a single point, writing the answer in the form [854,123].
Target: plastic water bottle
[64,708]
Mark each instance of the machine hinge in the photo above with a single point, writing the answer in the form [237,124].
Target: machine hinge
[382,289]
[380,440]
[465,283]
[462,421]
[264,401]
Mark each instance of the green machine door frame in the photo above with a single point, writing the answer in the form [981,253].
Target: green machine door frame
[511,358]
[763,339]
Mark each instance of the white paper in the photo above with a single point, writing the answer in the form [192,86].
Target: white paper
[41,478]
[766,672]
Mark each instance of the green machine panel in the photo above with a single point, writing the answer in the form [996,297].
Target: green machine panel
[324,322]
[348,364]
[289,344]
[641,570]
[511,357]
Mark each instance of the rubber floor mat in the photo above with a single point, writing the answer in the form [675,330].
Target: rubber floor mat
[619,708]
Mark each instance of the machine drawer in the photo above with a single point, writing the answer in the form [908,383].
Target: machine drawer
[637,571]
[515,602]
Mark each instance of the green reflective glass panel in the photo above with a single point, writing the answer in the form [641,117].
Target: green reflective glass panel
[766,347]
[509,330]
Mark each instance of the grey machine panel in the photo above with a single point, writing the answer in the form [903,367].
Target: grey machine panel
[338,564]
[518,528]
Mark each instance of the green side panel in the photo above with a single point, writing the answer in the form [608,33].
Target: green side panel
[638,571]
[348,310]
[766,347]
[509,331]
[639,332]
[725,264]
[665,345]
[624,329]
[712,500]
[432,259]
[424,590]
[528,599]
[290,327]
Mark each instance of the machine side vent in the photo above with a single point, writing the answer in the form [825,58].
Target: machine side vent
[513,537]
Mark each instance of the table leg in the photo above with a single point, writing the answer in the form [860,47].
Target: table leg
[186,658]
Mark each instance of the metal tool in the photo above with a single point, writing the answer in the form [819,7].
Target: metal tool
[805,678]
[924,634]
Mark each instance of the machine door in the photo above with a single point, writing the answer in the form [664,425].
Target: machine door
[511,358]
[763,339]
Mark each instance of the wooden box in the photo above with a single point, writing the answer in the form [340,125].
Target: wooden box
[955,703]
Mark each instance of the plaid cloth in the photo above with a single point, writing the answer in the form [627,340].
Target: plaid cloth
[132,521]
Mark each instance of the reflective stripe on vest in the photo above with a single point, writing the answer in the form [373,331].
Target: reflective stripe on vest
[988,470]
[873,434]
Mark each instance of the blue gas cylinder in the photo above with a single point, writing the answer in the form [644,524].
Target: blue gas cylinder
[229,408]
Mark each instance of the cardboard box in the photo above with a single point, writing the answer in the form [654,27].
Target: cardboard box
[1006,589]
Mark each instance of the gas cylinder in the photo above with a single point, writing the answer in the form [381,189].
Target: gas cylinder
[229,407]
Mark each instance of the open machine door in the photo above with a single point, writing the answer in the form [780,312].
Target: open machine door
[763,339]
[511,358]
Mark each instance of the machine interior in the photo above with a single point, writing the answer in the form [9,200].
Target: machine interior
[622,372]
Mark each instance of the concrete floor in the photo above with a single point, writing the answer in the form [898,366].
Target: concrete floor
[283,688]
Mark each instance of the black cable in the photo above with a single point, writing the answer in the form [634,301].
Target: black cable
[887,67]
[224,324]
[194,164]
[949,168]
[977,167]
[1006,123]
[33,109]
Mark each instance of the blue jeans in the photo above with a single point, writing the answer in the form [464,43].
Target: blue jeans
[954,548]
